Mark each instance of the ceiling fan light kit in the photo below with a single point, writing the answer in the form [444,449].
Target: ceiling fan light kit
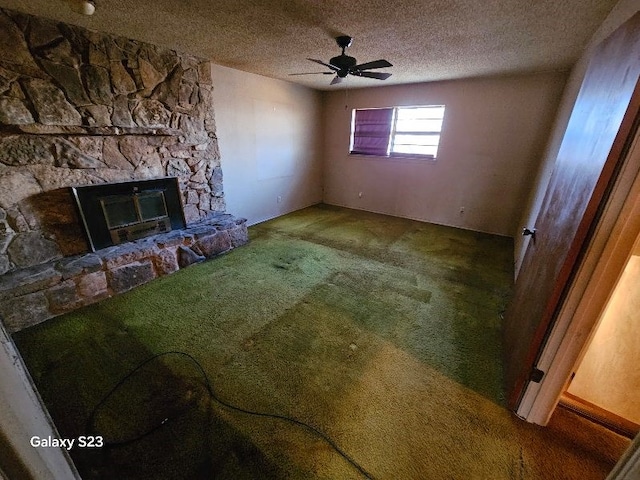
[343,65]
[84,7]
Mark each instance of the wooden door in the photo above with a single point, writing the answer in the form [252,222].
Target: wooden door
[603,118]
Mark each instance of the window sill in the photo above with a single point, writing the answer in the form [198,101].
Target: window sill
[396,158]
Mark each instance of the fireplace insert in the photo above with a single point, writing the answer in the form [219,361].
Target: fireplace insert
[115,213]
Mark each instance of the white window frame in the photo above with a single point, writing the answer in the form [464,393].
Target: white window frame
[393,131]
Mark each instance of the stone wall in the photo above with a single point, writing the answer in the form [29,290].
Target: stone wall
[79,107]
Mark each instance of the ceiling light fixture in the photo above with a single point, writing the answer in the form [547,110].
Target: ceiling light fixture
[85,7]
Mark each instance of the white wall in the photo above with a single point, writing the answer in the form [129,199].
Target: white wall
[270,138]
[624,10]
[494,132]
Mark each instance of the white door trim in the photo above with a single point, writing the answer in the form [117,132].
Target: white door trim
[24,416]
[628,468]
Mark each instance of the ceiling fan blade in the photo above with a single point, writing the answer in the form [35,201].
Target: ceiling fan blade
[374,64]
[332,67]
[313,73]
[378,75]
[335,80]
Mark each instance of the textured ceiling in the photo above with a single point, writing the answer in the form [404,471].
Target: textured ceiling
[424,40]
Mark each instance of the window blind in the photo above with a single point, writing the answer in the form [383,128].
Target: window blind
[371,131]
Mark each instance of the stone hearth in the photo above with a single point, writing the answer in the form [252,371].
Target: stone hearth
[81,108]
[34,294]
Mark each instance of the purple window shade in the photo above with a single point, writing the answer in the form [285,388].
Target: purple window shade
[371,131]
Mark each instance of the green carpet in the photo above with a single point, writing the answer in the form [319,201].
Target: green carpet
[383,333]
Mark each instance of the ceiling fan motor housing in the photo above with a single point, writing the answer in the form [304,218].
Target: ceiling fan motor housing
[344,63]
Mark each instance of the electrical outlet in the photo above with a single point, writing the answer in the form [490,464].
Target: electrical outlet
[279,199]
[359,194]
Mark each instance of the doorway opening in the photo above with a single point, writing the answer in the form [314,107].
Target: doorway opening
[605,385]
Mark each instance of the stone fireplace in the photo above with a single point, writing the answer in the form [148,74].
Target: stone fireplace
[81,112]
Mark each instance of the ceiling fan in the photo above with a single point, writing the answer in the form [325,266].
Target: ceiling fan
[344,65]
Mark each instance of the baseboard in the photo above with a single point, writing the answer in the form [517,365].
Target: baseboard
[599,415]
[417,219]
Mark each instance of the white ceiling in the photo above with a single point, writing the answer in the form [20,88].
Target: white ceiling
[424,40]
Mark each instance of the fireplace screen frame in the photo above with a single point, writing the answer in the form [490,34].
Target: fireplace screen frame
[101,231]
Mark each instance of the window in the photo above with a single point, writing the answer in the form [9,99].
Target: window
[397,131]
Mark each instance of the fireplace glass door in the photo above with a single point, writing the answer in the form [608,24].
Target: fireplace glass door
[119,210]
[151,205]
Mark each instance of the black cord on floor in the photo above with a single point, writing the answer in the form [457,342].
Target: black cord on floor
[212,394]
